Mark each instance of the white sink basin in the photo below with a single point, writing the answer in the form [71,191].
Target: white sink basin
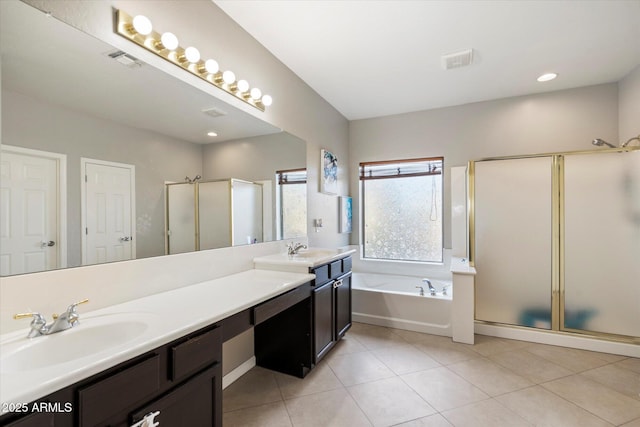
[302,261]
[91,336]
[313,253]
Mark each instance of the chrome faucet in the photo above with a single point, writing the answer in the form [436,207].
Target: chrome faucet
[421,290]
[432,290]
[293,248]
[39,326]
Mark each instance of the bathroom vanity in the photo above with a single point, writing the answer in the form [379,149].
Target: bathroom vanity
[168,367]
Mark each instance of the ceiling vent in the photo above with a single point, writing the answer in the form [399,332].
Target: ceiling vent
[458,59]
[125,59]
[214,112]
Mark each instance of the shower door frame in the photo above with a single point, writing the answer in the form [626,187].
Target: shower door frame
[558,240]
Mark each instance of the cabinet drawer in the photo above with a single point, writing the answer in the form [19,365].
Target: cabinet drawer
[196,353]
[42,419]
[347,264]
[335,269]
[99,401]
[190,404]
[236,324]
[322,274]
[280,303]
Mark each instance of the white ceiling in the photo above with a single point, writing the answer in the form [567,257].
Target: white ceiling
[376,58]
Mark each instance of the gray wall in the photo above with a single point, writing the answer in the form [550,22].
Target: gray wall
[31,123]
[254,159]
[555,121]
[629,105]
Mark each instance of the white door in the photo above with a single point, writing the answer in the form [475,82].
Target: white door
[109,209]
[30,210]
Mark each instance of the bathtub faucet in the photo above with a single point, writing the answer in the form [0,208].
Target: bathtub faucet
[421,290]
[432,290]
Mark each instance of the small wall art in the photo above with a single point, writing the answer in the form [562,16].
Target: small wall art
[346,214]
[329,172]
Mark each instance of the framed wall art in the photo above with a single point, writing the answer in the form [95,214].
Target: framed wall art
[328,172]
[346,214]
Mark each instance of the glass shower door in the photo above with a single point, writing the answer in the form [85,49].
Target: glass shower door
[514,241]
[602,243]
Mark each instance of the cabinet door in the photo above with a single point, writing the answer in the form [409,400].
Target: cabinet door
[343,305]
[33,420]
[192,404]
[323,319]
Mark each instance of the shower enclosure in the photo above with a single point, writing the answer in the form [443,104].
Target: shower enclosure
[213,214]
[556,241]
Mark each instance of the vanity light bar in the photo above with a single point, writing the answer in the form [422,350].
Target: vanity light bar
[139,30]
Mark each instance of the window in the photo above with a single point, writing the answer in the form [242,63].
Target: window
[292,191]
[401,212]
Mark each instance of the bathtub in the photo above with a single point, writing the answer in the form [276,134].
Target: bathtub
[394,301]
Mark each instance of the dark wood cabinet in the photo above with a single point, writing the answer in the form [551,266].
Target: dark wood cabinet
[189,405]
[331,305]
[35,420]
[342,291]
[182,380]
[323,319]
[282,332]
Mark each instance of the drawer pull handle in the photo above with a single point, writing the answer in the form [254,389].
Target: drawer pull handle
[337,284]
[148,420]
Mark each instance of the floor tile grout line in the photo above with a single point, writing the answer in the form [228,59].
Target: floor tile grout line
[573,403]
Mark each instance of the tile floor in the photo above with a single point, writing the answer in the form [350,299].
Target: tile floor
[380,376]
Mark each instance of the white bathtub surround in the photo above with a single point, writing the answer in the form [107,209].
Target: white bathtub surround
[403,268]
[463,310]
[394,301]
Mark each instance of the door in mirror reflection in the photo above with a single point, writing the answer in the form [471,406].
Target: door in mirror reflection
[29,217]
[108,212]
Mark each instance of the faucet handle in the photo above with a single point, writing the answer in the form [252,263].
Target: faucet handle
[73,306]
[36,316]
[38,324]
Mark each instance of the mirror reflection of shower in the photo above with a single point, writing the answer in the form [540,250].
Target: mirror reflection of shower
[191,181]
[601,142]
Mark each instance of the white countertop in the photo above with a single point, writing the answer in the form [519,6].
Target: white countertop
[461,266]
[172,315]
[302,261]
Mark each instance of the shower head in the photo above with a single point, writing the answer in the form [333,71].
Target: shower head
[635,138]
[600,142]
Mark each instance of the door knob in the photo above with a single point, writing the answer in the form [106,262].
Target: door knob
[124,239]
[45,244]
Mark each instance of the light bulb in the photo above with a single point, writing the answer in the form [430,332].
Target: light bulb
[243,85]
[142,25]
[267,100]
[228,77]
[546,77]
[169,40]
[192,54]
[211,65]
[256,93]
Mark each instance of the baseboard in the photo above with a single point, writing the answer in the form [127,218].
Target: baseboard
[232,376]
[559,339]
[409,325]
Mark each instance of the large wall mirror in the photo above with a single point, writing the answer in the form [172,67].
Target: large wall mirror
[93,140]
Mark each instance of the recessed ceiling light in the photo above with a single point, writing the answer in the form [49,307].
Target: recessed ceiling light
[212,133]
[546,77]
